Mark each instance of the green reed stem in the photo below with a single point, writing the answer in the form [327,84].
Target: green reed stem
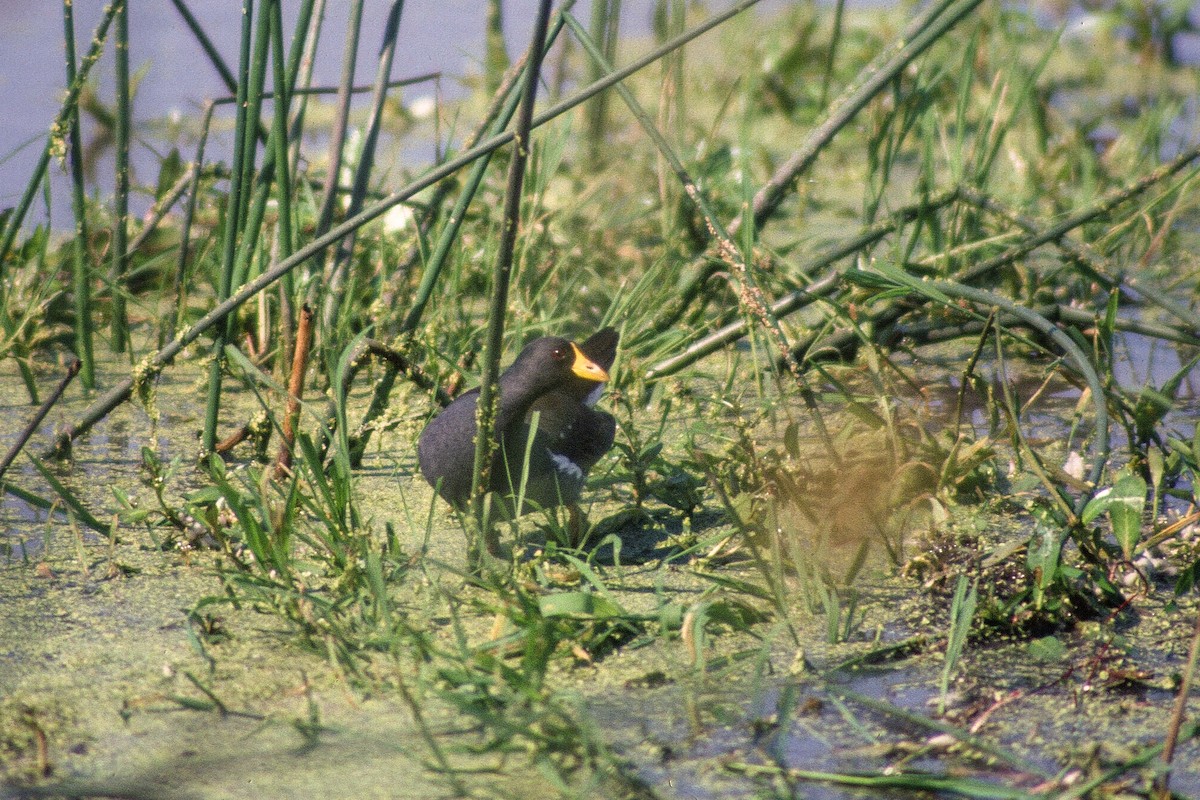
[179,287]
[122,391]
[337,140]
[248,227]
[256,191]
[279,130]
[81,279]
[835,39]
[298,71]
[120,238]
[284,242]
[305,42]
[252,225]
[606,17]
[366,163]
[229,243]
[485,412]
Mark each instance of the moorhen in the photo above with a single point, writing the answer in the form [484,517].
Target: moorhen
[554,377]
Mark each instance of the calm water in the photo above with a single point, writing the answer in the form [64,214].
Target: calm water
[443,36]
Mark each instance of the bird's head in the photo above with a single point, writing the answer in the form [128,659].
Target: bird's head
[551,361]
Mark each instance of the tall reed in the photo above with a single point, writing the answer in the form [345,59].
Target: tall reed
[120,236]
[81,274]
[485,417]
[229,236]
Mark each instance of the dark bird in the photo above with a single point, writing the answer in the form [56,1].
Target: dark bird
[560,381]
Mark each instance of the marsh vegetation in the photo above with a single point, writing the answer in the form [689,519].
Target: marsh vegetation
[903,494]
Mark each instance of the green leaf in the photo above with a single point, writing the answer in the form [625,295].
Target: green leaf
[736,615]
[1099,503]
[1196,445]
[69,498]
[1187,579]
[169,173]
[791,439]
[572,604]
[1125,510]
[1045,547]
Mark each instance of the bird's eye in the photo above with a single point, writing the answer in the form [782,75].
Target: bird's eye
[559,353]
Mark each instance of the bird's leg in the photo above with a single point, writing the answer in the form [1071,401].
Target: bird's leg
[576,525]
[491,537]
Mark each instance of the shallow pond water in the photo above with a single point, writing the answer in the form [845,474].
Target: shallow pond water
[100,657]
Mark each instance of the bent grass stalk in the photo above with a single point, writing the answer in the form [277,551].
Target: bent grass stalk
[941,292]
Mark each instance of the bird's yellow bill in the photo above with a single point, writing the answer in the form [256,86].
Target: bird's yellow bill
[587,369]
